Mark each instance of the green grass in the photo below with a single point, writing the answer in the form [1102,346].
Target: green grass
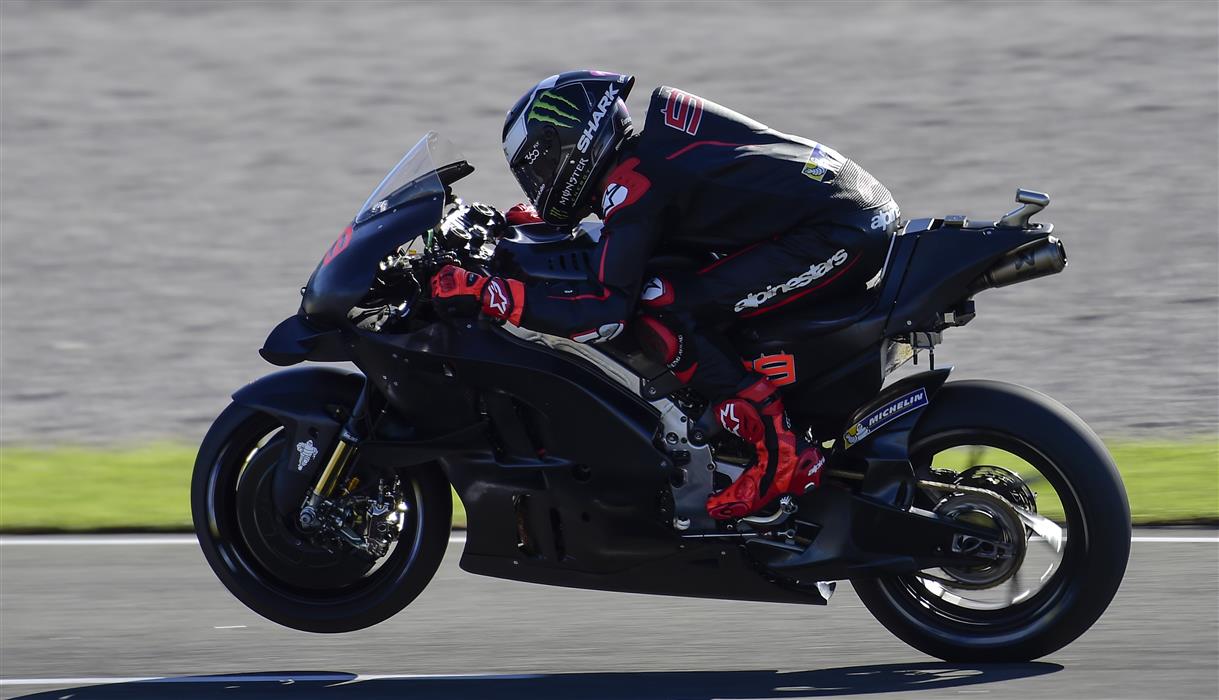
[1167,483]
[1171,483]
[80,489]
[147,488]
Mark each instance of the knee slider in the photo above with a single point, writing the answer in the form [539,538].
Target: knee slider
[660,342]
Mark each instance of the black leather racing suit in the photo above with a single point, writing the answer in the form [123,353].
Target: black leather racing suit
[797,220]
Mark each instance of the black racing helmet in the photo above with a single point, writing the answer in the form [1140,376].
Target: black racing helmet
[561,136]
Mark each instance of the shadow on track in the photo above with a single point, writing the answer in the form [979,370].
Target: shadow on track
[689,685]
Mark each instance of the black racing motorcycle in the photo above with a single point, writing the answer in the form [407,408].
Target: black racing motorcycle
[977,520]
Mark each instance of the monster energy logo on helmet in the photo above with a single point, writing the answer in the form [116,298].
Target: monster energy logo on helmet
[550,108]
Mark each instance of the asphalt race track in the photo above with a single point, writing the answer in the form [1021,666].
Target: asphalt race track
[79,613]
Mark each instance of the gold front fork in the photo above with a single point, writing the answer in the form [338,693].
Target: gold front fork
[343,452]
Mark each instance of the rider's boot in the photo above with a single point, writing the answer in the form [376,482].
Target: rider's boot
[783,465]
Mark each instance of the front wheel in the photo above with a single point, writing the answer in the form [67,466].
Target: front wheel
[1072,545]
[284,575]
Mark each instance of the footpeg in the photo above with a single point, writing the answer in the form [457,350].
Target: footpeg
[787,506]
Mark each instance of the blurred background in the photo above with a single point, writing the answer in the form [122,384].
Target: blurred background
[173,171]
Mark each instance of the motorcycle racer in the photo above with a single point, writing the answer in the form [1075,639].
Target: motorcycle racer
[793,221]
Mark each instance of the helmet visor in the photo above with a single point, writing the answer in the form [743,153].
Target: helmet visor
[537,164]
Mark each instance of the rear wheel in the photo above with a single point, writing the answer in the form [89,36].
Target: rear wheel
[263,558]
[1069,550]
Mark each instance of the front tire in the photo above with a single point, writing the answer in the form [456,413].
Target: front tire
[270,567]
[1073,460]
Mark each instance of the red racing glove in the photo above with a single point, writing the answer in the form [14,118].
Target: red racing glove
[456,291]
[521,215]
[463,293]
[504,300]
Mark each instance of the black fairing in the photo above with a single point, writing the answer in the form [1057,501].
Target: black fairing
[336,286]
[557,466]
[563,483]
[560,435]
[946,261]
[544,252]
[296,339]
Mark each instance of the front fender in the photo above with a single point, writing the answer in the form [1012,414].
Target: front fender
[312,403]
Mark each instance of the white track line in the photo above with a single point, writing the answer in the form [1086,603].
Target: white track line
[117,540]
[95,540]
[455,538]
[1175,539]
[336,678]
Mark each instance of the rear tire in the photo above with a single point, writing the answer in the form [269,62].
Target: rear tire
[273,569]
[1028,423]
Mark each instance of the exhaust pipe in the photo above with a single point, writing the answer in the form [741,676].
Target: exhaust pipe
[1030,261]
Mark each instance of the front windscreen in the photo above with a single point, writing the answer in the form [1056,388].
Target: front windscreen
[417,176]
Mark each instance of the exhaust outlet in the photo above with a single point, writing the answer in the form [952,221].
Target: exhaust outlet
[1036,259]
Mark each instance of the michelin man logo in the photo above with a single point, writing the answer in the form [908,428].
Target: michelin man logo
[307,451]
[856,433]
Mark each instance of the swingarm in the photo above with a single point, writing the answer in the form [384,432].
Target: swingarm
[839,533]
